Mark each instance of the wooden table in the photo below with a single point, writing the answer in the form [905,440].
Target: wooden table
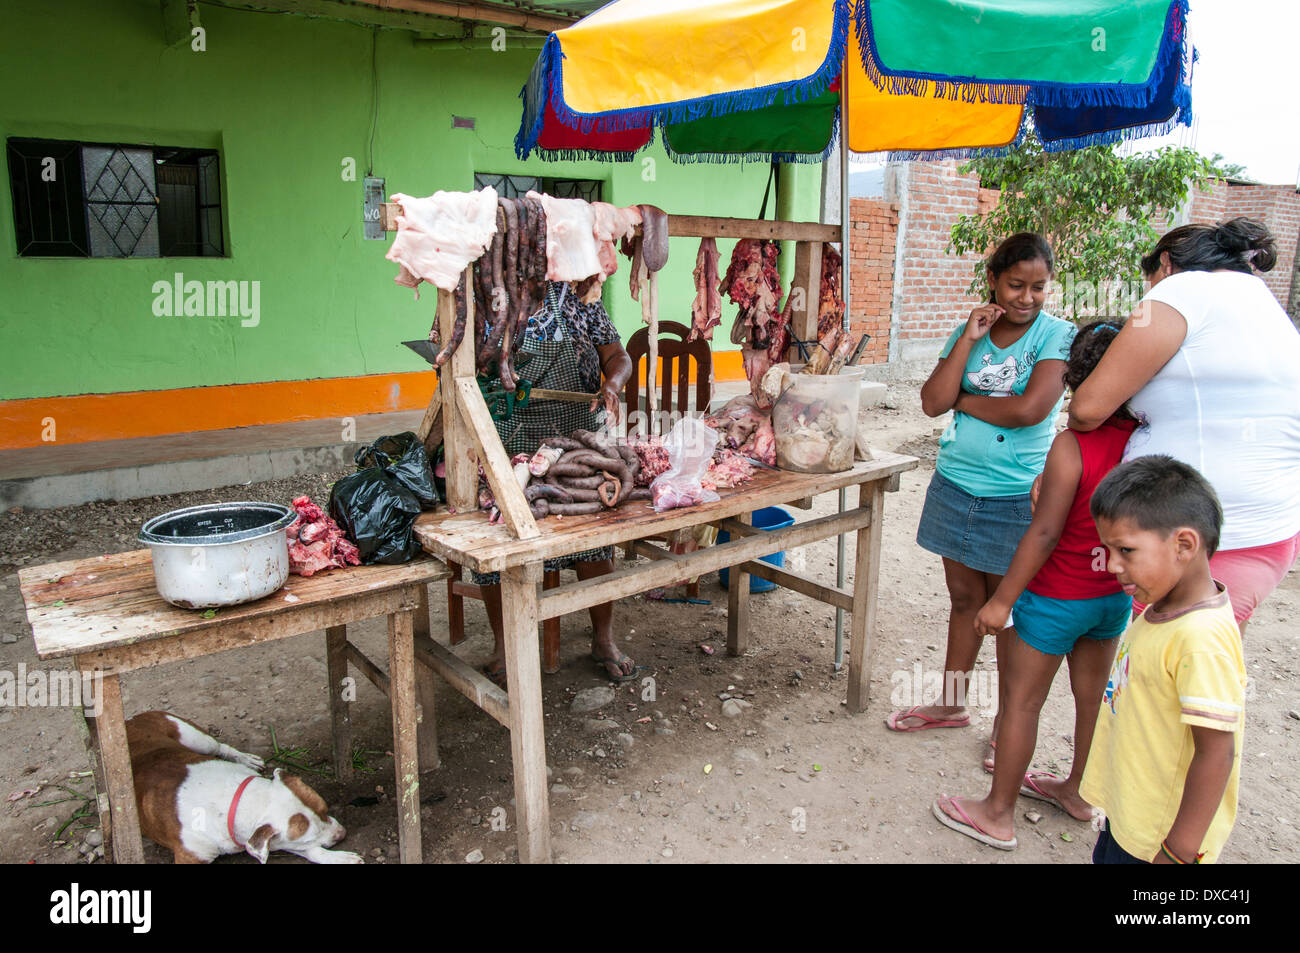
[106,615]
[468,539]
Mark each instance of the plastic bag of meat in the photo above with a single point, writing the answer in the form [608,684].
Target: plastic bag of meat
[403,457]
[690,446]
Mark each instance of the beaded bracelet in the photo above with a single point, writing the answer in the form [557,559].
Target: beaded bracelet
[1164,848]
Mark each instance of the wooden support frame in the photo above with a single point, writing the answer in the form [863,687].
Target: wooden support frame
[496,465]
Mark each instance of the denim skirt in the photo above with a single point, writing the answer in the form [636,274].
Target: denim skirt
[981,532]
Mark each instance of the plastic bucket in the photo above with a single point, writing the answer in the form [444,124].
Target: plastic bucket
[768,518]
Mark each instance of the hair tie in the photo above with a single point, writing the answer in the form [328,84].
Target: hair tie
[1104,325]
[1250,255]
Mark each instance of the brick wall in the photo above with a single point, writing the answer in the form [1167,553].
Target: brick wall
[927,286]
[871,273]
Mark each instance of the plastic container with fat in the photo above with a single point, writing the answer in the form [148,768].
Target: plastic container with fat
[816,421]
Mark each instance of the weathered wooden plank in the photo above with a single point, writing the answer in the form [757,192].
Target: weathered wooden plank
[406,748]
[128,848]
[368,668]
[112,601]
[638,578]
[496,465]
[866,584]
[291,622]
[426,709]
[465,678]
[467,538]
[703,226]
[807,279]
[461,463]
[738,590]
[336,673]
[430,430]
[831,595]
[527,728]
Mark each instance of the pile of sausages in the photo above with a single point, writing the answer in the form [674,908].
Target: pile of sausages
[509,286]
[581,474]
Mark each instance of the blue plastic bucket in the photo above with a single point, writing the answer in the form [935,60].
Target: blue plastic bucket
[768,518]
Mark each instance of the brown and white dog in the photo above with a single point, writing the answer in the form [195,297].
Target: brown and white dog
[202,798]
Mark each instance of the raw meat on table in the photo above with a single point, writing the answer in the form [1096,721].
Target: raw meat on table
[316,542]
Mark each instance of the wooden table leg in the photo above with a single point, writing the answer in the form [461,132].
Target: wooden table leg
[551,629]
[115,756]
[336,673]
[455,606]
[527,731]
[866,578]
[738,605]
[90,738]
[426,711]
[401,674]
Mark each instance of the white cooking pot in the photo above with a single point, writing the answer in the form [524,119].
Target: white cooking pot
[219,554]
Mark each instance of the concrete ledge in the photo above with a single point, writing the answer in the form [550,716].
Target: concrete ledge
[67,475]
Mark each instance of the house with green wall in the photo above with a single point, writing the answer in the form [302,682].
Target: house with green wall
[183,234]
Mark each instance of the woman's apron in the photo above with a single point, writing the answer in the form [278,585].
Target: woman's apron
[556,365]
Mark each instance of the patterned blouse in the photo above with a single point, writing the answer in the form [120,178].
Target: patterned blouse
[587,325]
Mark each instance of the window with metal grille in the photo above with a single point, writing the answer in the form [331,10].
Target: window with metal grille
[91,200]
[515,186]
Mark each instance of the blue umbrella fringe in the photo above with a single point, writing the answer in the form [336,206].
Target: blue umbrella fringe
[974,89]
[550,65]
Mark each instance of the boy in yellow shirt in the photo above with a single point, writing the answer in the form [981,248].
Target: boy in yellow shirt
[1167,749]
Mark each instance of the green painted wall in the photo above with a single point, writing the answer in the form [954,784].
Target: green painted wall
[284,99]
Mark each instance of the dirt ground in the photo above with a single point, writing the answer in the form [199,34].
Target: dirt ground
[794,778]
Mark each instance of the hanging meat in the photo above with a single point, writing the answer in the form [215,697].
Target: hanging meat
[439,235]
[830,309]
[706,312]
[752,282]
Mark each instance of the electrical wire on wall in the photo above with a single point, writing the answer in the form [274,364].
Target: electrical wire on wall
[374,99]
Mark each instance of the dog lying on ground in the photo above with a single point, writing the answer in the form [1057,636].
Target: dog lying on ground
[202,798]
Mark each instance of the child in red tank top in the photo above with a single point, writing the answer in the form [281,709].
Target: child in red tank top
[1066,605]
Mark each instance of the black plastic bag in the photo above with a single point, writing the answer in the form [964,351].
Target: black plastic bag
[403,457]
[378,514]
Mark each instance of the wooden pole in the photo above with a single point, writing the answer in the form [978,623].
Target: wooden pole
[461,463]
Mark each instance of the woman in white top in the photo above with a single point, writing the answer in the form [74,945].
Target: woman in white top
[1210,362]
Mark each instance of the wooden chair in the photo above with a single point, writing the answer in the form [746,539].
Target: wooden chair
[672,352]
[676,356]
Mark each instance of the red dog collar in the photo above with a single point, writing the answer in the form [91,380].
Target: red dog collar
[234,806]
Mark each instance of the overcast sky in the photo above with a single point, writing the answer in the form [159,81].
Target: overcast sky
[1245,86]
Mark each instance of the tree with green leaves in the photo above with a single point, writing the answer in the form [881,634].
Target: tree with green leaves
[1094,205]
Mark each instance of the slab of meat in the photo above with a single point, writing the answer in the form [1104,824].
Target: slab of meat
[316,542]
[611,224]
[653,457]
[752,283]
[830,310]
[571,253]
[439,235]
[762,445]
[706,312]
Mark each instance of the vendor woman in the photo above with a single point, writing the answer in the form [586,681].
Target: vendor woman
[573,347]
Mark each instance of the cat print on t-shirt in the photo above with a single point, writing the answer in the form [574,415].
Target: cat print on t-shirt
[999,380]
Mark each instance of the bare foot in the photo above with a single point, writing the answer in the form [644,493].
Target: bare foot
[925,716]
[989,757]
[617,665]
[977,810]
[1065,795]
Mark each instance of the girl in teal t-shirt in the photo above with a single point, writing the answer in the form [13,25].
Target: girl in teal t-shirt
[1002,373]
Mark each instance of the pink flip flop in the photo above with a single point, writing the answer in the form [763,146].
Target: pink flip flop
[927,722]
[967,826]
[1029,788]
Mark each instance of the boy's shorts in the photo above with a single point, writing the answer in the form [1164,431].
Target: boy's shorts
[1107,851]
[1053,625]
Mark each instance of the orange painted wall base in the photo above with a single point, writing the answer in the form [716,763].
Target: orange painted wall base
[87,417]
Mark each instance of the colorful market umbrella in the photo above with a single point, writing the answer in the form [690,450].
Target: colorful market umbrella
[748,79]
